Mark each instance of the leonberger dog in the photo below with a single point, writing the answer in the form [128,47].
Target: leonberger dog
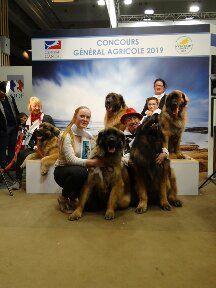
[46,148]
[173,121]
[115,108]
[109,186]
[155,181]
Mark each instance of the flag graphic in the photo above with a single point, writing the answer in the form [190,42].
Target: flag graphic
[54,44]
[16,88]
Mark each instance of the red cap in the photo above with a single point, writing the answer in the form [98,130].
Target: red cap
[130,112]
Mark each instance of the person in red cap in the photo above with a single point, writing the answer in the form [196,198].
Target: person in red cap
[131,119]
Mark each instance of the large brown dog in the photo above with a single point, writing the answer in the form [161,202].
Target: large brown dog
[110,184]
[115,108]
[155,182]
[47,146]
[173,121]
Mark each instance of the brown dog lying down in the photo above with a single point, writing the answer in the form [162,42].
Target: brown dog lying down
[110,184]
[47,147]
[173,121]
[154,181]
[115,108]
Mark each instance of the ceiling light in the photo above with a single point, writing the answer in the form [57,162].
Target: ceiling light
[149,11]
[189,18]
[194,8]
[25,55]
[101,2]
[112,12]
[127,2]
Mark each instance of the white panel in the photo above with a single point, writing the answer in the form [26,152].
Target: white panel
[187,176]
[35,183]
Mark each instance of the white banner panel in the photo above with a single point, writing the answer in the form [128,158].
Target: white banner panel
[78,48]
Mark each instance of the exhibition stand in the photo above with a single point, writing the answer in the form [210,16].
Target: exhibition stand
[187,176]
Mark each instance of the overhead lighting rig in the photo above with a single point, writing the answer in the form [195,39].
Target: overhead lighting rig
[168,16]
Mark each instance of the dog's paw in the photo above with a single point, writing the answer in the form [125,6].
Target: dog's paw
[76,215]
[110,214]
[166,206]
[141,209]
[180,155]
[44,171]
[177,203]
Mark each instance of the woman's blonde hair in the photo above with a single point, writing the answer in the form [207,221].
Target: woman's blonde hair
[34,100]
[68,128]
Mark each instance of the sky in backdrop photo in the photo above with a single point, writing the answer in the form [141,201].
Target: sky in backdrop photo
[64,85]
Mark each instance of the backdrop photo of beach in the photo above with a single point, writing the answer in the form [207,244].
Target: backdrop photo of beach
[65,85]
[188,138]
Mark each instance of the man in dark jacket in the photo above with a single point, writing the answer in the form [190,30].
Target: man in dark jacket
[159,89]
[8,125]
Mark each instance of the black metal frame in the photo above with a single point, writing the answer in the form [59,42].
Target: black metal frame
[2,173]
[210,178]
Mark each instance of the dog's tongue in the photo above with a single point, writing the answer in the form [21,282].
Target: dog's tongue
[39,137]
[111,149]
[175,112]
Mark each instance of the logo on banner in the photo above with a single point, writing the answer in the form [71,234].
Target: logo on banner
[56,45]
[183,45]
[16,87]
[52,49]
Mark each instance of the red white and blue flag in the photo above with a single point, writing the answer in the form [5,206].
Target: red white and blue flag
[16,88]
[52,44]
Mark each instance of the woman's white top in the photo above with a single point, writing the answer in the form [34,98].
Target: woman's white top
[71,154]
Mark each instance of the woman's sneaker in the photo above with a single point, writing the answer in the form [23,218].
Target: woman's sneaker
[15,186]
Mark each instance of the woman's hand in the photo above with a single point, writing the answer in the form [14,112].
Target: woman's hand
[160,158]
[95,162]
[148,112]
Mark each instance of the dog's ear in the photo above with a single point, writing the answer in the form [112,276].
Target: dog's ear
[168,102]
[184,99]
[123,105]
[56,131]
[100,135]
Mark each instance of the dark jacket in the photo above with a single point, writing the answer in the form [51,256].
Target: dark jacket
[161,104]
[3,120]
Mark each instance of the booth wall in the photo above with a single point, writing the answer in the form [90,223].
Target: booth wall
[7,73]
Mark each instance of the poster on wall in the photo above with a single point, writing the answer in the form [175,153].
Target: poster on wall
[72,71]
[16,86]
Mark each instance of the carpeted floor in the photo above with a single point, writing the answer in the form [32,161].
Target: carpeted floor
[39,247]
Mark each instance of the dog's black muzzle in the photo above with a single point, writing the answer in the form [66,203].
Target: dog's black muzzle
[112,144]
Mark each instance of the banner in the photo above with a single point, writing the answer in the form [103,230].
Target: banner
[120,46]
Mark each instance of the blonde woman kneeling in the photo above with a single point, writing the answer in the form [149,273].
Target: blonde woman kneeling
[71,167]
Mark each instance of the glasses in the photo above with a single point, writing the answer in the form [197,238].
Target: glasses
[133,124]
[158,85]
[152,104]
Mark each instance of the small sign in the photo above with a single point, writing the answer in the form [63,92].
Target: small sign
[86,148]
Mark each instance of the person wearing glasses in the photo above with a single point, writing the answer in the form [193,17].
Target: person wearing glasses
[152,107]
[159,89]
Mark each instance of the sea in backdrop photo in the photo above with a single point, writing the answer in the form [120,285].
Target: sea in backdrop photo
[65,85]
